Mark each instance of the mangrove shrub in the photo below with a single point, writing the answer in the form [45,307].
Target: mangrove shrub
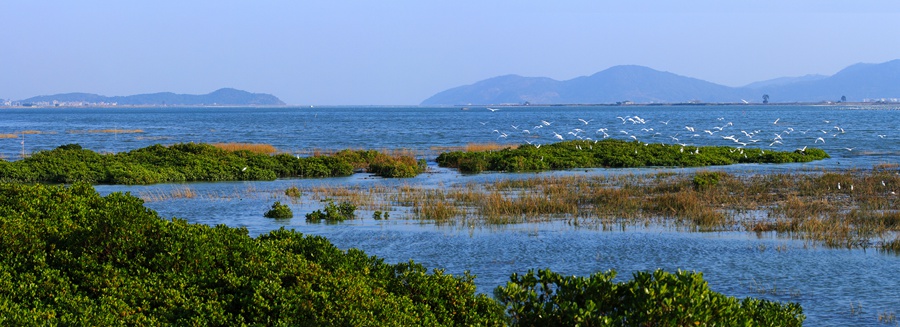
[279,210]
[69,256]
[546,298]
[190,162]
[611,153]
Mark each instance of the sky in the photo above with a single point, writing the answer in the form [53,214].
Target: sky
[402,52]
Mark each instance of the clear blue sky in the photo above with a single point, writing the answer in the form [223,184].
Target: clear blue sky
[401,52]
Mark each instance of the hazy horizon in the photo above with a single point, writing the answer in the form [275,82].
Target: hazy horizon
[400,53]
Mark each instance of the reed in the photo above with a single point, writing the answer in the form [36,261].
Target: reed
[887,317]
[252,147]
[434,205]
[184,192]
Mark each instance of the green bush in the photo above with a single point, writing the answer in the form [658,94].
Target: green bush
[71,257]
[293,192]
[279,210]
[333,213]
[615,154]
[659,298]
[189,162]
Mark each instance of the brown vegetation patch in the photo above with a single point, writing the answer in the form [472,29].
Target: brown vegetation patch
[175,193]
[103,131]
[252,147]
[474,147]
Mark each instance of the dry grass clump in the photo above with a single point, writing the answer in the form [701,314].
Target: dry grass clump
[252,147]
[104,131]
[9,136]
[174,193]
[473,147]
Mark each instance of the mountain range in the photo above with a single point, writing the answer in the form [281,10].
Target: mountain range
[638,84]
[221,97]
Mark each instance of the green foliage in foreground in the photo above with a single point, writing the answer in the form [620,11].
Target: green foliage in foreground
[612,153]
[189,162]
[71,257]
[659,298]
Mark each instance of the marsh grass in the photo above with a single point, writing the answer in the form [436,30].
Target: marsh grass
[252,147]
[9,136]
[808,206]
[183,192]
[887,317]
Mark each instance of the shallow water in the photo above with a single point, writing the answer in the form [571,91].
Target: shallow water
[869,132]
[825,281]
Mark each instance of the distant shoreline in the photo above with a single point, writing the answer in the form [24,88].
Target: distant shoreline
[147,106]
[471,106]
[699,104]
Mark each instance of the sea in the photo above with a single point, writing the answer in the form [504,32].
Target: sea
[836,287]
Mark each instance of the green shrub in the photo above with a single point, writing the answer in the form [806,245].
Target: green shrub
[191,162]
[333,213]
[293,192]
[279,211]
[614,154]
[71,257]
[659,298]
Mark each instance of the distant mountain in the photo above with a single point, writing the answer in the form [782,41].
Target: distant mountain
[645,85]
[784,81]
[225,96]
[857,82]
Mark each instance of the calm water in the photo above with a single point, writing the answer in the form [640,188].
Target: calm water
[825,281]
